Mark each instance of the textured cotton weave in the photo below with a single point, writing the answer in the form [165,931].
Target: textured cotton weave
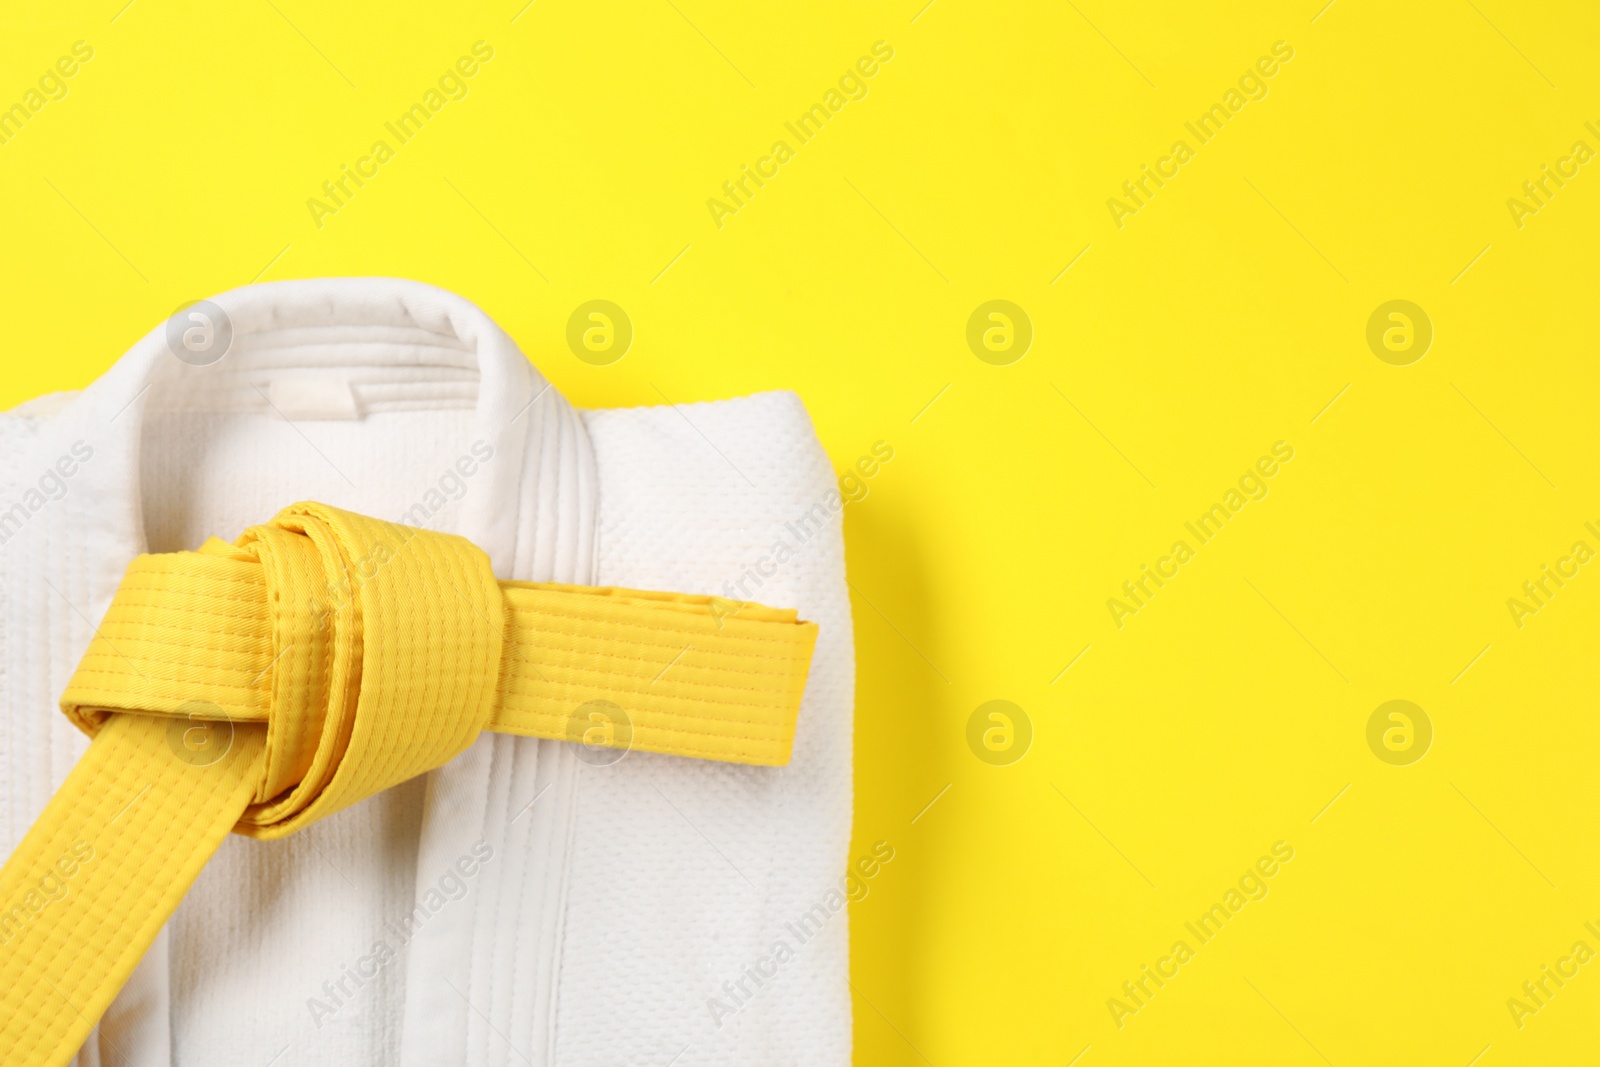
[603,888]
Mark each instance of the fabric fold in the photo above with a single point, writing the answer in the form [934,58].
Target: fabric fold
[498,911]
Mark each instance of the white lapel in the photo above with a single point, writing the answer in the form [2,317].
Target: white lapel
[532,509]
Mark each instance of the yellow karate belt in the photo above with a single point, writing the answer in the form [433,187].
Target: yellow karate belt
[318,660]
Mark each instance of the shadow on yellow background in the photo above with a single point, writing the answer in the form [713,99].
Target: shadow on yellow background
[1198,222]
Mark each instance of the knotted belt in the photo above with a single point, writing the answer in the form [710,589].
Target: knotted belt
[320,659]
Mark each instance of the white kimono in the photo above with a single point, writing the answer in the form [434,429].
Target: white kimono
[522,905]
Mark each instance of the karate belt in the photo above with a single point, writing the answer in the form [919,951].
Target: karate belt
[318,660]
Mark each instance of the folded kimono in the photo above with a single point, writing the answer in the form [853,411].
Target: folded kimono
[533,901]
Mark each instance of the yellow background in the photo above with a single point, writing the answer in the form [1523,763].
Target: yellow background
[1223,317]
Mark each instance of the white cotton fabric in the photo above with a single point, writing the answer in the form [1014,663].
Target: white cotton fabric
[518,906]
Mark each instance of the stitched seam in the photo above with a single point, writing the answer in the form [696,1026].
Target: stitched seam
[599,620]
[127,687]
[538,690]
[608,672]
[544,645]
[557,722]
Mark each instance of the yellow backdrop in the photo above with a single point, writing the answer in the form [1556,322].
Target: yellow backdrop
[1237,373]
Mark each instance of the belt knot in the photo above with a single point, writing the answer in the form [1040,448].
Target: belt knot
[359,653]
